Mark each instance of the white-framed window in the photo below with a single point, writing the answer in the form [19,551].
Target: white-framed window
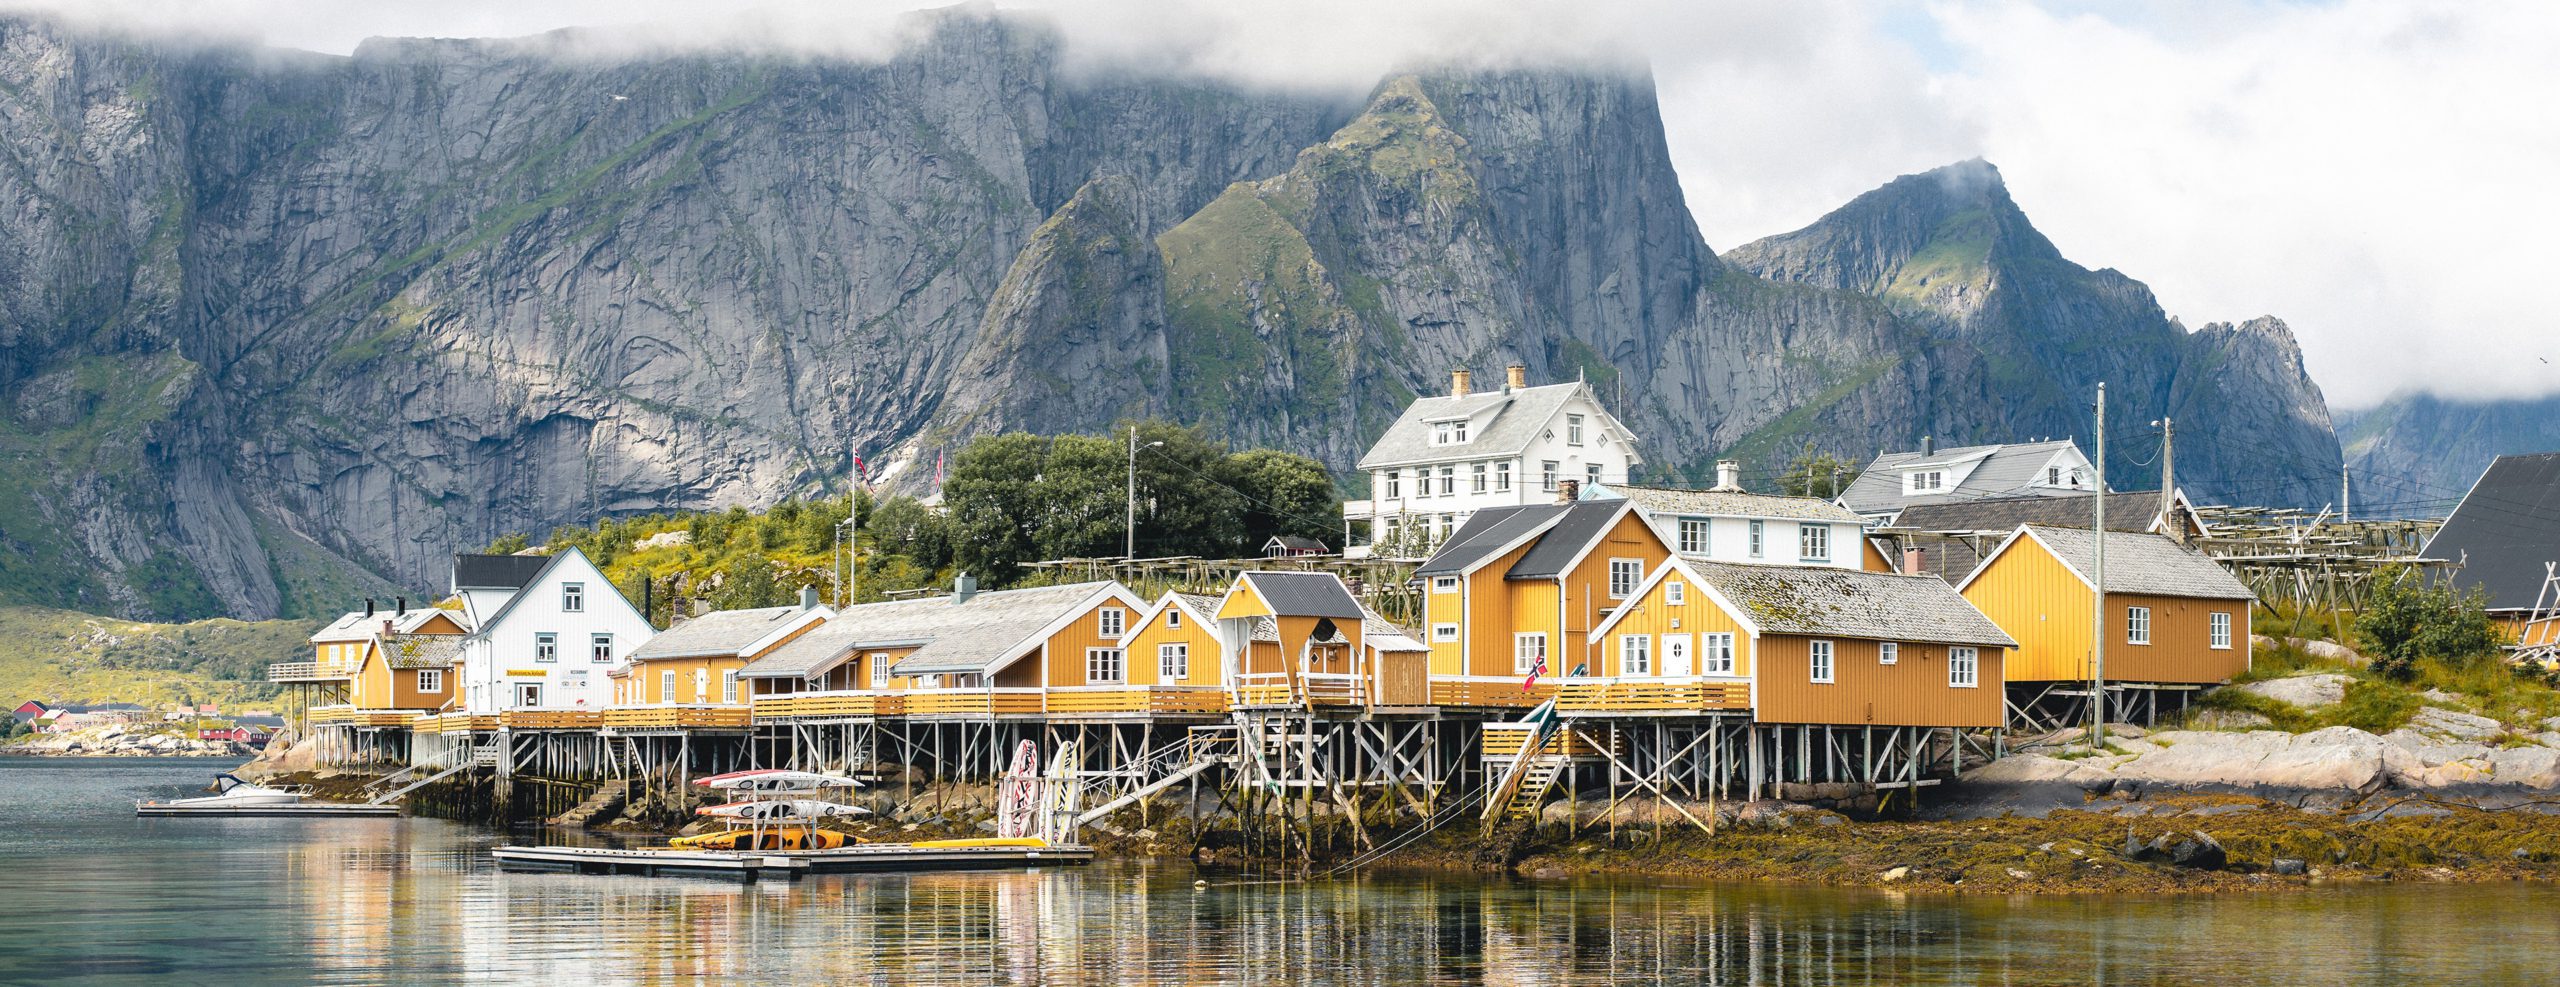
[1624,574]
[667,686]
[2137,625]
[1449,480]
[1502,477]
[546,646]
[1573,430]
[1547,474]
[431,680]
[1173,662]
[2053,476]
[1395,484]
[729,685]
[600,647]
[1715,653]
[1591,475]
[573,597]
[1758,530]
[1449,433]
[1102,666]
[1964,667]
[1924,481]
[1821,661]
[2221,629]
[1813,542]
[1444,584]
[1173,617]
[1635,654]
[1696,535]
[1675,593]
[880,669]
[1482,477]
[1444,632]
[1113,620]
[1446,524]
[1528,651]
[1888,653]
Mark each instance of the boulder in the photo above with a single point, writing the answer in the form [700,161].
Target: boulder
[2328,650]
[2444,722]
[2290,867]
[2337,758]
[2306,691]
[2536,767]
[2228,719]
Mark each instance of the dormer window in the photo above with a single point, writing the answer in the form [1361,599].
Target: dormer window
[1924,481]
[1449,433]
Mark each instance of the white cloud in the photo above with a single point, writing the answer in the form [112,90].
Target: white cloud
[2377,173]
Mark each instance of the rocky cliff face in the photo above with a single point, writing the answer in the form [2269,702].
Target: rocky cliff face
[2416,455]
[287,326]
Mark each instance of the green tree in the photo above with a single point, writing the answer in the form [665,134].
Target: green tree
[2405,620]
[1285,494]
[996,504]
[1817,473]
[903,528]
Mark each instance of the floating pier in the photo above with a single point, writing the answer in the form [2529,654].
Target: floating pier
[326,809]
[751,865]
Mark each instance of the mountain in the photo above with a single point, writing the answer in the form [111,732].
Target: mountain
[287,328]
[2416,454]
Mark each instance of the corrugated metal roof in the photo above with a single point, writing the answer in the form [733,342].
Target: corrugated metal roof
[1824,601]
[2006,471]
[725,632]
[1486,534]
[2148,564]
[1519,417]
[496,571]
[1304,594]
[1582,523]
[2505,530]
[1731,503]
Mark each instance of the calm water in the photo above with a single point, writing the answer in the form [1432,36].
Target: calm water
[97,896]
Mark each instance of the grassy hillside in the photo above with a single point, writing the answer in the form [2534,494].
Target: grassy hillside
[61,656]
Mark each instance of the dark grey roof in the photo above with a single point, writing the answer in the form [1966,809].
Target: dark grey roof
[1296,544]
[1583,523]
[1875,606]
[726,632]
[2126,511]
[1304,594]
[2148,564]
[1486,534]
[1518,417]
[2006,471]
[948,634]
[1729,503]
[496,571]
[2505,530]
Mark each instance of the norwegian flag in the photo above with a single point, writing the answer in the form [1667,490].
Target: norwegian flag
[937,469]
[861,470]
[1535,670]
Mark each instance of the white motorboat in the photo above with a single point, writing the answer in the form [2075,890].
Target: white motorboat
[231,791]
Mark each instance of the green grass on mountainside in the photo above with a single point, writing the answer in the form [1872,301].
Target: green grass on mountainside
[60,656]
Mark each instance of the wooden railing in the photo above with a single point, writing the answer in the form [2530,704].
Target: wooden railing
[1645,694]
[973,702]
[831,704]
[310,671]
[1503,741]
[356,716]
[453,723]
[1489,690]
[551,719]
[677,717]
[1172,699]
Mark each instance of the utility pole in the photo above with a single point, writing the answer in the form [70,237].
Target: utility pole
[1129,541]
[2098,609]
[2342,493]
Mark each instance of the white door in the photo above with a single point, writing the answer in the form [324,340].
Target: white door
[528,694]
[1675,656]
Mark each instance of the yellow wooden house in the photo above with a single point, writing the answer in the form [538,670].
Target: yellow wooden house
[1519,589]
[1300,639]
[2172,614]
[687,675]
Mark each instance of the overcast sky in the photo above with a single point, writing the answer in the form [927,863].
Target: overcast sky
[2378,174]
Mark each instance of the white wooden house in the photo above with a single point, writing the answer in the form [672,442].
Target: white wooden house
[550,641]
[1449,456]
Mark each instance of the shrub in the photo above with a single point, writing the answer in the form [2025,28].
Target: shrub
[2406,620]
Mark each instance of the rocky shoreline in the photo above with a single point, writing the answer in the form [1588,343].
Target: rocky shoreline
[116,741]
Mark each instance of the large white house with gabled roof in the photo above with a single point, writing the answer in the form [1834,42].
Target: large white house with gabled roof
[1930,475]
[1449,456]
[549,641]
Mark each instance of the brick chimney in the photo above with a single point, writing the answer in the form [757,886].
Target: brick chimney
[1458,383]
[1515,376]
[1728,475]
[1911,561]
[1568,491]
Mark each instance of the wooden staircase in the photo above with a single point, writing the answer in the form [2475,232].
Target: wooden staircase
[1536,780]
[607,801]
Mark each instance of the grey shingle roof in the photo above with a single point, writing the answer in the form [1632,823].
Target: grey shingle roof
[412,651]
[1582,523]
[1203,606]
[1485,534]
[2147,564]
[1382,634]
[1732,503]
[355,625]
[1876,606]
[965,636]
[2007,470]
[1304,594]
[725,632]
[1520,416]
[2505,529]
[2126,511]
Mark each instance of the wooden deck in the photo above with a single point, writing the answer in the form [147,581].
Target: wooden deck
[1651,696]
[678,718]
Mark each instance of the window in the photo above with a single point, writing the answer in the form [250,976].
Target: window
[2053,476]
[2137,625]
[600,647]
[2221,630]
[1813,542]
[1102,666]
[1756,530]
[1591,473]
[573,597]
[1635,655]
[1448,523]
[1624,574]
[1449,481]
[1173,617]
[1696,534]
[1573,430]
[1547,475]
[1444,584]
[1528,652]
[430,680]
[1821,661]
[1449,433]
[1502,477]
[1715,654]
[667,686]
[729,686]
[1888,653]
[546,646]
[1173,662]
[1924,481]
[880,669]
[1675,593]
[1444,632]
[1395,484]
[1113,620]
[1964,667]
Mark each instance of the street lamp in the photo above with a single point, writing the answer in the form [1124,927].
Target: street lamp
[1129,544]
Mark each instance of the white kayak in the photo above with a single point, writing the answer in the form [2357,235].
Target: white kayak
[708,780]
[781,809]
[781,781]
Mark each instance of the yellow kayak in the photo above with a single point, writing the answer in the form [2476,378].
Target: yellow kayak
[1017,841]
[779,838]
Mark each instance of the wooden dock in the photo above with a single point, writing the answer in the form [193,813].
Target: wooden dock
[751,865]
[303,809]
